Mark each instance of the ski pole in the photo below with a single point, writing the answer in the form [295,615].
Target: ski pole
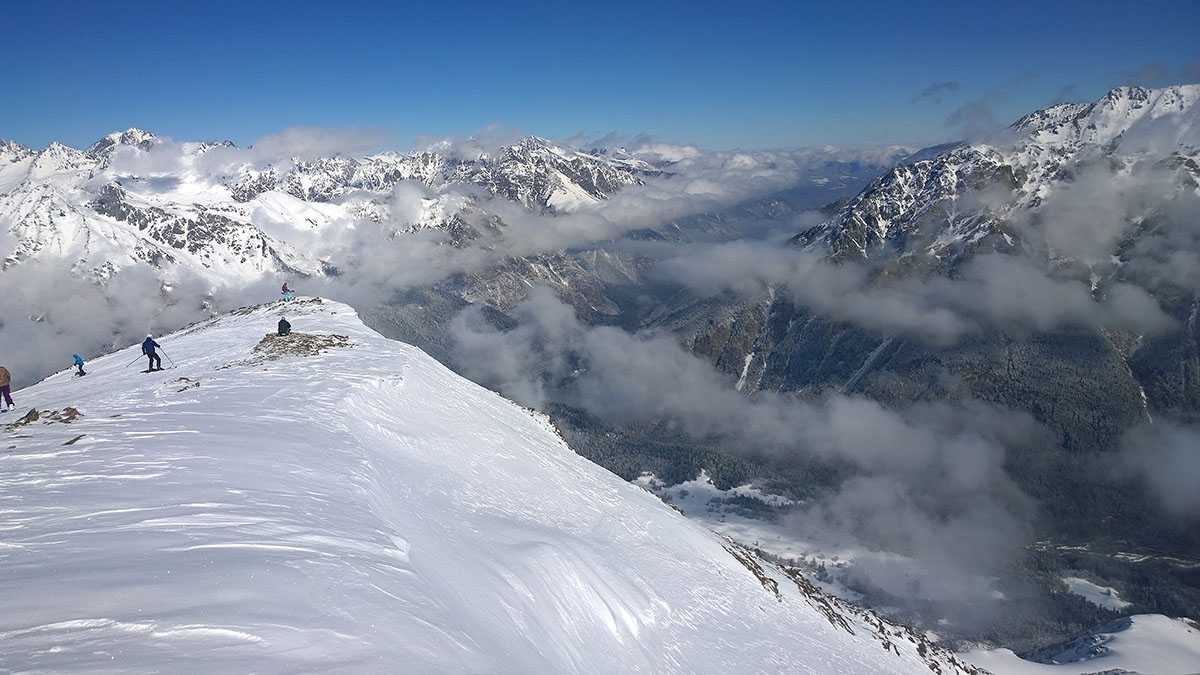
[134,361]
[168,356]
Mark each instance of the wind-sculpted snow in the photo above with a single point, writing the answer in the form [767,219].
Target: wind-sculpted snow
[360,508]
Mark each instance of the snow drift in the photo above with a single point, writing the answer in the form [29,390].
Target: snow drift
[350,504]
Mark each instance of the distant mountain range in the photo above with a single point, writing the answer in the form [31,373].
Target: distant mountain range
[921,207]
[232,216]
[91,207]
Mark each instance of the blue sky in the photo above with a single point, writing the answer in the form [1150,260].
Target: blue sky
[732,74]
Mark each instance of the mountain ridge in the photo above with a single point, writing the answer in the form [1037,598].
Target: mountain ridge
[1027,165]
[282,503]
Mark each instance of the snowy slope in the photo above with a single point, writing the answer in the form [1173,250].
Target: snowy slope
[1147,643]
[365,509]
[1096,594]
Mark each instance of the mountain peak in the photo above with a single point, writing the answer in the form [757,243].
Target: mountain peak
[892,211]
[1161,100]
[1049,116]
[13,150]
[132,136]
[532,143]
[56,157]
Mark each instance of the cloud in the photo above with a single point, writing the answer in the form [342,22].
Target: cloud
[407,202]
[973,120]
[990,291]
[1166,457]
[644,377]
[1167,255]
[388,251]
[919,545]
[976,120]
[665,153]
[388,255]
[376,257]
[170,160]
[927,502]
[1015,293]
[489,141]
[642,146]
[1085,219]
[937,91]
[927,482]
[1114,231]
[291,144]
[1133,218]
[309,143]
[165,157]
[1065,94]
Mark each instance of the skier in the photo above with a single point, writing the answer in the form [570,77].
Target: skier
[79,365]
[5,392]
[287,293]
[284,326]
[148,347]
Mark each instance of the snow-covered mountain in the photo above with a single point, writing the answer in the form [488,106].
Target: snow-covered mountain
[226,218]
[337,501]
[1096,192]
[533,172]
[1099,199]
[966,199]
[60,203]
[226,213]
[132,137]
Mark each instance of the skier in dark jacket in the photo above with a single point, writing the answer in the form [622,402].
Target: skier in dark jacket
[79,365]
[148,347]
[284,326]
[5,392]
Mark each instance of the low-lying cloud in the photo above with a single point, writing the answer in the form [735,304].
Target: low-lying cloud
[278,149]
[994,290]
[927,481]
[937,91]
[1165,456]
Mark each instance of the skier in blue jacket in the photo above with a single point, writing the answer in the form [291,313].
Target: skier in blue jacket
[79,365]
[148,347]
